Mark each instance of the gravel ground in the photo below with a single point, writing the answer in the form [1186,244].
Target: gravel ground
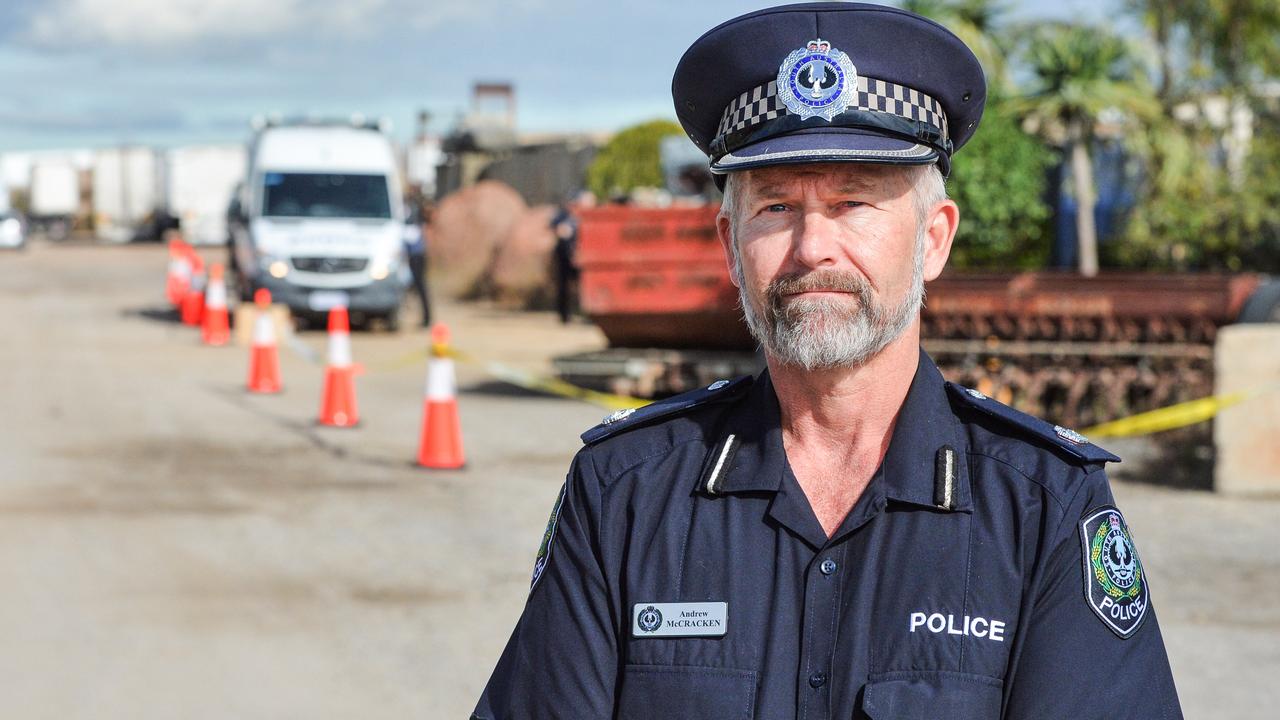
[172,547]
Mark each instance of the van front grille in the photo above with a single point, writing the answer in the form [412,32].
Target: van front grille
[329,264]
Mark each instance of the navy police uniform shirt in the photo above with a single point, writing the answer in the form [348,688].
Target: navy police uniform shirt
[983,573]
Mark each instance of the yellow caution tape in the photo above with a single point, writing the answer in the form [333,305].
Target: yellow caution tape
[420,355]
[413,357]
[519,378]
[1166,418]
[1175,416]
[1153,421]
[530,381]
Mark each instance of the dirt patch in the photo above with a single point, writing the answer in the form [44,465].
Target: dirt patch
[404,595]
[132,506]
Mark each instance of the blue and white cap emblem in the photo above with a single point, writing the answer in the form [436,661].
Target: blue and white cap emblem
[817,80]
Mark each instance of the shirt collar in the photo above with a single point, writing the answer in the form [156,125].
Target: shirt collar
[749,455]
[925,426]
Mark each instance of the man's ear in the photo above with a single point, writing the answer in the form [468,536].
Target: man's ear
[940,231]
[724,231]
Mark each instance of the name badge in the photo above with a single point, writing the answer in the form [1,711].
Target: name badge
[697,619]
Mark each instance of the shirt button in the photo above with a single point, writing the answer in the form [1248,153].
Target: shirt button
[817,680]
[828,566]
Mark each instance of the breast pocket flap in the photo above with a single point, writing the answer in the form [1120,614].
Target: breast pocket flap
[686,693]
[928,695]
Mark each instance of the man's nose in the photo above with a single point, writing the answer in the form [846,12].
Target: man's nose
[817,241]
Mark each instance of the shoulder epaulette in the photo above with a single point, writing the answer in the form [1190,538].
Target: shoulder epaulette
[622,420]
[1065,438]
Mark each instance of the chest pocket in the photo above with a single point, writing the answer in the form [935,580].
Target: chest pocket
[957,607]
[686,693]
[929,695]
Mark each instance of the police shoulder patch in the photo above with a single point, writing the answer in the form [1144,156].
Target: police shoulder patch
[623,420]
[1069,440]
[548,536]
[1115,585]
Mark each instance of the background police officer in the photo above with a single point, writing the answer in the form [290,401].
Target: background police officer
[414,239]
[847,535]
[565,227]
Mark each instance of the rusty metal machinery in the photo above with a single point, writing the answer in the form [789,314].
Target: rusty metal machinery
[1082,351]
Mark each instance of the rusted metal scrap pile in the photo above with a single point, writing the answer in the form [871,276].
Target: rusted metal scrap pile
[1079,350]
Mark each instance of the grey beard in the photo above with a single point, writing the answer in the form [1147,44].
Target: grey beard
[822,333]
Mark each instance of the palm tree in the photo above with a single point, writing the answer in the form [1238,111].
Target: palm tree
[1170,23]
[1226,47]
[1082,72]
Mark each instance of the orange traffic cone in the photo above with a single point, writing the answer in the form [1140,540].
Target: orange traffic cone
[217,325]
[178,279]
[192,309]
[441,445]
[338,403]
[264,361]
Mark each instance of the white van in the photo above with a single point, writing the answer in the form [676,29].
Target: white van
[317,221]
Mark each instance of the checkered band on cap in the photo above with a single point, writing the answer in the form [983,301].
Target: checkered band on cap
[761,104]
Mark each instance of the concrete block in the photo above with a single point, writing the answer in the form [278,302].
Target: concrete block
[1247,435]
[246,313]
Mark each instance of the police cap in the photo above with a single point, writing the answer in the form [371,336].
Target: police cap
[828,82]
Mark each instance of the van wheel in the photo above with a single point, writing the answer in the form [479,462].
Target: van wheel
[391,321]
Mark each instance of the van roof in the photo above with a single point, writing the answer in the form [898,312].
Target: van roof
[323,149]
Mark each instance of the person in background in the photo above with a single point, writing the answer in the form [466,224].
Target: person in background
[415,249]
[565,227]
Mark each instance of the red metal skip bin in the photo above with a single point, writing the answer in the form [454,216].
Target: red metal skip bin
[656,277]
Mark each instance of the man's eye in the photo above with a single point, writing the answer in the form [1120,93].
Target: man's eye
[852,203]
[776,207]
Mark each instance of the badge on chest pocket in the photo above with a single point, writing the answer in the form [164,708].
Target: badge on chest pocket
[694,619]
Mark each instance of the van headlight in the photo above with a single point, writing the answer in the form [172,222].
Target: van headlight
[275,266]
[380,269]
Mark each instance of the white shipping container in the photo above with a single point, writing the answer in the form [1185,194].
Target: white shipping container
[15,170]
[200,182]
[126,190]
[421,158]
[55,188]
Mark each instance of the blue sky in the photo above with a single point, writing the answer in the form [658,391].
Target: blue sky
[89,73]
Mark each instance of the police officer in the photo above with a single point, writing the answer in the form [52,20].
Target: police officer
[565,227]
[414,239]
[847,535]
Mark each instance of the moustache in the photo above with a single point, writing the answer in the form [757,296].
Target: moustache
[819,280]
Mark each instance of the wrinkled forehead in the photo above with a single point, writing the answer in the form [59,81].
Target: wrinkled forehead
[885,180]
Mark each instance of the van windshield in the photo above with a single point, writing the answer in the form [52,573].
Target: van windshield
[325,195]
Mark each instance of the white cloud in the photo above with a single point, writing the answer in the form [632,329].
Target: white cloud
[156,22]
[175,24]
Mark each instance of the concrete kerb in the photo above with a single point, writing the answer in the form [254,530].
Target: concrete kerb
[1247,435]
